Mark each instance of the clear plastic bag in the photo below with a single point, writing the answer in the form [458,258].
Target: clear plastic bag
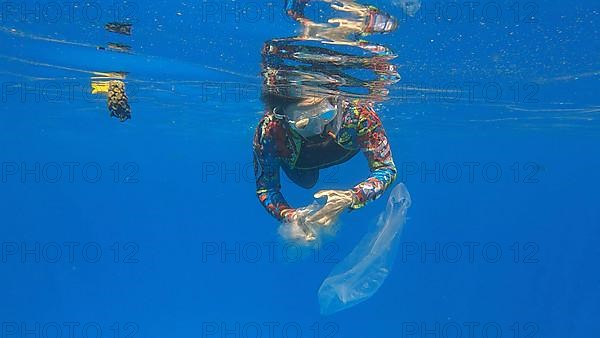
[363,271]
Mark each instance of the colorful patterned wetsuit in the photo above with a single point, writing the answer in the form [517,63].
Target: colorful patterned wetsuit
[277,145]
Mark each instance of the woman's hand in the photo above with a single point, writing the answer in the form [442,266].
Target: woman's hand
[337,201]
[297,218]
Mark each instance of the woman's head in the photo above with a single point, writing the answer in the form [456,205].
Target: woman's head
[308,116]
[277,102]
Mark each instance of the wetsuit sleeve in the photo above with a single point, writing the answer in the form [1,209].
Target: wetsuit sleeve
[373,142]
[266,171]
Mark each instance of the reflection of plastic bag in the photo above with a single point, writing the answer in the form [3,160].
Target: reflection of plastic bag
[359,275]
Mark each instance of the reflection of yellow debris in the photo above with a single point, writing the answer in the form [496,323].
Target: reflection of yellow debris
[109,76]
[119,47]
[116,47]
[119,28]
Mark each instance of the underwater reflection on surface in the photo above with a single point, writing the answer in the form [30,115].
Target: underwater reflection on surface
[112,83]
[331,58]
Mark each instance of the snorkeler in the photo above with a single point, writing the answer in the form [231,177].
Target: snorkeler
[312,122]
[302,136]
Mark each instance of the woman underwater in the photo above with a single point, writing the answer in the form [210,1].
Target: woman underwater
[303,134]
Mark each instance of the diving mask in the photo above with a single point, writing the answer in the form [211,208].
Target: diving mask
[312,121]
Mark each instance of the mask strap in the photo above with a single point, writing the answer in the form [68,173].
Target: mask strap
[277,115]
[334,126]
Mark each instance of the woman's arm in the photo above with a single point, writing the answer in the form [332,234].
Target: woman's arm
[373,142]
[266,171]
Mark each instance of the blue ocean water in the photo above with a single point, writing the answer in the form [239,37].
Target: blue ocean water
[151,227]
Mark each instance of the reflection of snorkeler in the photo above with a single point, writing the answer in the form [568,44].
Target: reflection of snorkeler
[365,20]
[302,136]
